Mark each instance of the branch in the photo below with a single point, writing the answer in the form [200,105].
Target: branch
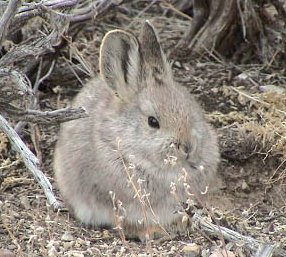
[53,4]
[28,54]
[79,10]
[93,10]
[260,248]
[7,18]
[25,56]
[46,117]
[34,104]
[265,251]
[31,10]
[30,161]
[21,80]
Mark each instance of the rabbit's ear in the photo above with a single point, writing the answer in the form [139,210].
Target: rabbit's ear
[120,62]
[151,49]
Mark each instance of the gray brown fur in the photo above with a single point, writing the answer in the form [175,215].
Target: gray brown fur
[136,82]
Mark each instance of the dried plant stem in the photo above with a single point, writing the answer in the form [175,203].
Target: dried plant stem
[260,248]
[256,100]
[48,117]
[13,238]
[265,251]
[6,18]
[78,10]
[141,195]
[21,80]
[34,104]
[30,161]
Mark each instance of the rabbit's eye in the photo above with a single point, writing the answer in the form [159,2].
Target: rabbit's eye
[153,122]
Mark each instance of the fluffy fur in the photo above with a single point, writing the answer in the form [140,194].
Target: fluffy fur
[92,153]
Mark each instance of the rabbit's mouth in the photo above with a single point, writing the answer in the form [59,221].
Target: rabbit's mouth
[184,151]
[194,165]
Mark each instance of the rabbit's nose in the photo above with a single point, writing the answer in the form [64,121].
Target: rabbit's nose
[185,149]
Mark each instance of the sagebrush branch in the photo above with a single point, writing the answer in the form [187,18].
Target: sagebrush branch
[6,18]
[78,10]
[30,161]
[53,4]
[20,79]
[59,13]
[46,117]
[254,245]
[26,54]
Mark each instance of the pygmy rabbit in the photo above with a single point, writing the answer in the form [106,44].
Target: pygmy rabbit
[145,136]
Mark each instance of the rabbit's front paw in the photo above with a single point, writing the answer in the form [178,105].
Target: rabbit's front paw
[155,232]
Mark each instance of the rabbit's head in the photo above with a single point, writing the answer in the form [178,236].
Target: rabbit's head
[157,118]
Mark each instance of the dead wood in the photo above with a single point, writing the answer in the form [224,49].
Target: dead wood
[75,10]
[7,17]
[212,22]
[30,161]
[183,5]
[45,117]
[20,81]
[258,248]
[234,29]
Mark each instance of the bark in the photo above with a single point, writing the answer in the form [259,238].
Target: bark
[213,21]
[7,16]
[235,29]
[30,161]
[258,248]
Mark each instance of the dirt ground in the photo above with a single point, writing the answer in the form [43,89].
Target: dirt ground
[247,107]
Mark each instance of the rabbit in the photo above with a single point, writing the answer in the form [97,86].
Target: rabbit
[143,134]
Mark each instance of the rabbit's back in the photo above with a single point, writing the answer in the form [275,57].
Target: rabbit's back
[75,161]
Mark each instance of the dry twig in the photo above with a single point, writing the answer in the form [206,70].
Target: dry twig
[20,79]
[7,18]
[30,161]
[79,10]
[260,248]
[47,117]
